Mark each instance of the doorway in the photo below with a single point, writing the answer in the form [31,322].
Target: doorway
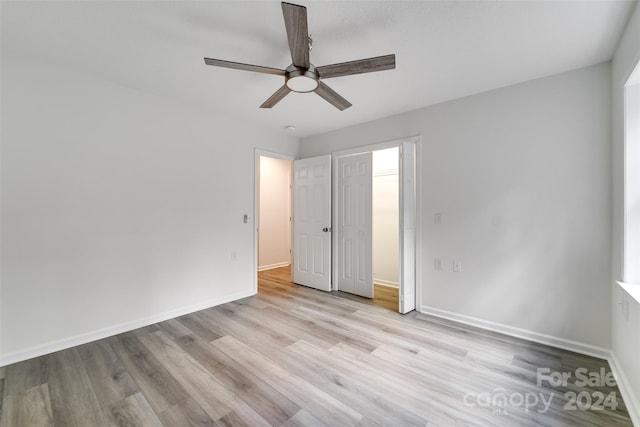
[273,211]
[367,225]
[385,222]
[353,245]
[321,192]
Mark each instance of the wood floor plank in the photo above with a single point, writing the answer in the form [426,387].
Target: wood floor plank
[386,335]
[254,302]
[297,390]
[385,296]
[110,380]
[160,388]
[146,329]
[246,330]
[133,411]
[423,404]
[295,297]
[341,387]
[333,329]
[392,328]
[453,385]
[243,415]
[31,407]
[174,328]
[355,302]
[186,414]
[25,375]
[274,407]
[73,400]
[303,418]
[203,387]
[198,324]
[346,387]
[296,328]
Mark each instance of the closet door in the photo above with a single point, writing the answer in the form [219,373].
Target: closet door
[355,259]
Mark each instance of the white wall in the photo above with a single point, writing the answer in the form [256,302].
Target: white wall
[274,230]
[522,176]
[385,216]
[625,335]
[118,208]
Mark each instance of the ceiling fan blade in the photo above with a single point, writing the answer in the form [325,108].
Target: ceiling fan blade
[332,96]
[379,63]
[245,67]
[295,21]
[276,97]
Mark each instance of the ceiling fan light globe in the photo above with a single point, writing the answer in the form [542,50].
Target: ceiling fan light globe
[302,83]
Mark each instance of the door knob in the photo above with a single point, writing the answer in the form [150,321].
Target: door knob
[326,229]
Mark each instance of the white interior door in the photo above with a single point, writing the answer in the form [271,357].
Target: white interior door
[355,259]
[312,222]
[407,227]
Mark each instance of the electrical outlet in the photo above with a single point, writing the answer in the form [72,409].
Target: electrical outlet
[437,264]
[234,255]
[437,218]
[457,266]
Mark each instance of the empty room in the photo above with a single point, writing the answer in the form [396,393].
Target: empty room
[320,213]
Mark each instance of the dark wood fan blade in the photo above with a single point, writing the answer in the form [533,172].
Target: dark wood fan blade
[246,67]
[332,96]
[276,97]
[379,63]
[295,21]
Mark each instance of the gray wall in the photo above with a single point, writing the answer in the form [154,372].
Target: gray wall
[522,177]
[118,208]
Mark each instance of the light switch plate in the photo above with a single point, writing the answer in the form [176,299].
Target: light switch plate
[457,266]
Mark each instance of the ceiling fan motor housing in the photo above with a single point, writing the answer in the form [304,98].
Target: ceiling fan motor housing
[301,80]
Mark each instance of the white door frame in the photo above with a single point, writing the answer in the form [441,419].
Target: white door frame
[256,203]
[418,240]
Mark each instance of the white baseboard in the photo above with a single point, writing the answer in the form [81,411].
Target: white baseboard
[629,397]
[64,343]
[578,347]
[385,283]
[272,266]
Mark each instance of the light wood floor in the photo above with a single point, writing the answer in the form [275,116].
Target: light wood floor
[385,296]
[294,356]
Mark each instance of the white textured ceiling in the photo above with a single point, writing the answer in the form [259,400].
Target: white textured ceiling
[444,49]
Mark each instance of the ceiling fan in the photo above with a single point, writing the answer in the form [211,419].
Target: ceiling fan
[302,76]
